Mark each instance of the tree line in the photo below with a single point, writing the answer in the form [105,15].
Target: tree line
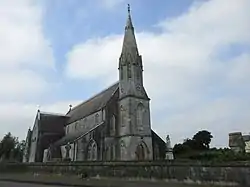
[11,149]
[198,148]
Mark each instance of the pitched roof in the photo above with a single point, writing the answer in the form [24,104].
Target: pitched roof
[52,123]
[74,136]
[93,104]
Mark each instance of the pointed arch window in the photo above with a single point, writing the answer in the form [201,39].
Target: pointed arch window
[122,148]
[112,124]
[140,116]
[129,70]
[122,116]
[92,150]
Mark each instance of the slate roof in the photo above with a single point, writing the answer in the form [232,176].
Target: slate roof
[73,136]
[52,122]
[93,104]
[68,138]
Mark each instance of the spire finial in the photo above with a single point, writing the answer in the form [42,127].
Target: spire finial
[129,24]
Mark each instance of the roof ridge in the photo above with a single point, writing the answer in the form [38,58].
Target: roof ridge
[52,113]
[99,93]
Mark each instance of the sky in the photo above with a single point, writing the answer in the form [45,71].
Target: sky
[196,57]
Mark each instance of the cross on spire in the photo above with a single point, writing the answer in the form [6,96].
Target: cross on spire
[129,24]
[128,8]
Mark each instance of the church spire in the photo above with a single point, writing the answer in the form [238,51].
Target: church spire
[129,42]
[129,24]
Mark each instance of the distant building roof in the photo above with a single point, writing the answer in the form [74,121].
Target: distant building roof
[235,133]
[246,138]
[92,105]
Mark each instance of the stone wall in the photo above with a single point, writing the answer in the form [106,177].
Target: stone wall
[224,174]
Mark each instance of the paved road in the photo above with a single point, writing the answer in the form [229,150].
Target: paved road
[12,184]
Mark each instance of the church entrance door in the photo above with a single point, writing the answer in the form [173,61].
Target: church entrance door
[140,152]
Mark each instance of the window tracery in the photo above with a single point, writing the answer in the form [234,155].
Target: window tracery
[92,150]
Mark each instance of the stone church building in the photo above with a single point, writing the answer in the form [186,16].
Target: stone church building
[112,125]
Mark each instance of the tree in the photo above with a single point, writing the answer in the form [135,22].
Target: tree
[202,139]
[7,144]
[190,143]
[192,148]
[18,151]
[180,149]
[11,148]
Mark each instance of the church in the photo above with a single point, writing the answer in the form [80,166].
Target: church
[112,125]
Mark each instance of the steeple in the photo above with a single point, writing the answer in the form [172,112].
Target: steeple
[134,112]
[129,47]
[130,64]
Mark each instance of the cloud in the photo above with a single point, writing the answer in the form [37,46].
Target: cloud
[21,38]
[103,67]
[196,88]
[19,84]
[24,48]
[25,58]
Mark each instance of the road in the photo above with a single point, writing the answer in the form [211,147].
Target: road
[12,184]
[131,184]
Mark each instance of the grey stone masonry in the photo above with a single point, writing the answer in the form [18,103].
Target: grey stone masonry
[134,112]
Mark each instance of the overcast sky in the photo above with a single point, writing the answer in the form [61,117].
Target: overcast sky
[196,57]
